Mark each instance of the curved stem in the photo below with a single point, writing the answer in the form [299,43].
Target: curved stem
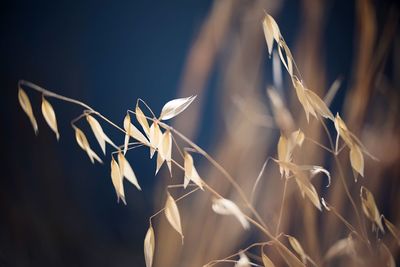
[67,99]
[147,106]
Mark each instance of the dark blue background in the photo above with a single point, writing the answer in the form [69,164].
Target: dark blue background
[56,208]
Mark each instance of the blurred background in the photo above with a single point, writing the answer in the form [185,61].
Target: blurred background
[57,209]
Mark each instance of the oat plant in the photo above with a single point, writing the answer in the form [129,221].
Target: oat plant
[142,127]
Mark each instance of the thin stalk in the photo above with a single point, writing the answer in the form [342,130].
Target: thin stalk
[220,168]
[67,99]
[346,188]
[213,262]
[320,145]
[342,179]
[176,200]
[282,206]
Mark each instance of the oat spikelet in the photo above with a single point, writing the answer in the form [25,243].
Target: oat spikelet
[172,214]
[174,107]
[84,144]
[98,132]
[27,108]
[295,244]
[357,159]
[133,131]
[266,261]
[370,209]
[271,31]
[116,179]
[50,116]
[127,171]
[141,118]
[149,246]
[191,172]
[155,137]
[225,206]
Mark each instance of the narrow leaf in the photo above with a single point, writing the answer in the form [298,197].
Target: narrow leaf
[27,107]
[50,116]
[174,107]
